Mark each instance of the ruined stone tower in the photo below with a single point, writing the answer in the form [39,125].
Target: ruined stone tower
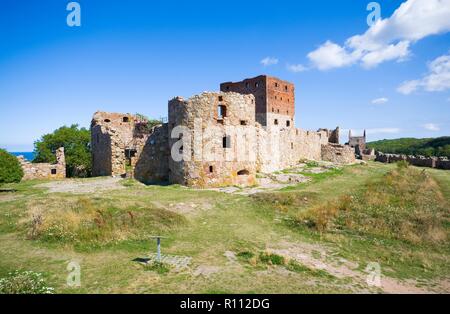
[357,142]
[223,126]
[274,99]
[124,145]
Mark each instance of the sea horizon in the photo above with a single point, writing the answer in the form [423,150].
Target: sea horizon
[28,155]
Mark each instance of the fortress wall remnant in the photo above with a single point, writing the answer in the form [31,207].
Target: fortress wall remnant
[219,152]
[341,154]
[419,161]
[111,135]
[124,144]
[443,163]
[45,170]
[152,166]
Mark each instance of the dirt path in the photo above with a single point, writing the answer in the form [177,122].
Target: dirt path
[319,257]
[82,186]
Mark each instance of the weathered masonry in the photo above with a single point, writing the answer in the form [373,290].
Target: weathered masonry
[124,144]
[224,138]
[45,170]
[274,99]
[419,161]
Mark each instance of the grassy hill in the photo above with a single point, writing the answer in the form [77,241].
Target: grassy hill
[321,236]
[439,146]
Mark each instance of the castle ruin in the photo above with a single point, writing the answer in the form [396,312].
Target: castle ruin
[44,170]
[214,138]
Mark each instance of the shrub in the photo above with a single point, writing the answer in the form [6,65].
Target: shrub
[246,255]
[24,282]
[10,169]
[272,259]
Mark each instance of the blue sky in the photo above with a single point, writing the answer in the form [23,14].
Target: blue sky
[134,56]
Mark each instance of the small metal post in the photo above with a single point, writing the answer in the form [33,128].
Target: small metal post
[158,247]
[158,250]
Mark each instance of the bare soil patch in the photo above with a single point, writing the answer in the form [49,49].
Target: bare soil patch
[80,186]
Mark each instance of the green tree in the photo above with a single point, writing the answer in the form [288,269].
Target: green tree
[10,169]
[439,146]
[150,122]
[76,143]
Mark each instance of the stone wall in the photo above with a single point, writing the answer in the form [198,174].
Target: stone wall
[45,170]
[419,161]
[341,154]
[152,166]
[215,154]
[443,163]
[272,96]
[124,145]
[111,135]
[333,135]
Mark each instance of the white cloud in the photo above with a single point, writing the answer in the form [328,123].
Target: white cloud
[269,61]
[330,55]
[408,87]
[437,78]
[388,39]
[431,127]
[296,68]
[380,101]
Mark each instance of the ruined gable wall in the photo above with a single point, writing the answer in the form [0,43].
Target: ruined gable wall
[111,134]
[341,154]
[152,163]
[44,170]
[212,164]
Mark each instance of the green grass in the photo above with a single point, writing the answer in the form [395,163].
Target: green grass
[203,225]
[159,268]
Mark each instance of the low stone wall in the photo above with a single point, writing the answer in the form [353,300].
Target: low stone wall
[419,161]
[443,163]
[341,154]
[44,170]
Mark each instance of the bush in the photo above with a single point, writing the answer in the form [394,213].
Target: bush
[24,282]
[10,169]
[76,148]
[246,255]
[272,259]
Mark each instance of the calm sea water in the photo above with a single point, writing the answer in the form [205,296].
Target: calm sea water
[28,155]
